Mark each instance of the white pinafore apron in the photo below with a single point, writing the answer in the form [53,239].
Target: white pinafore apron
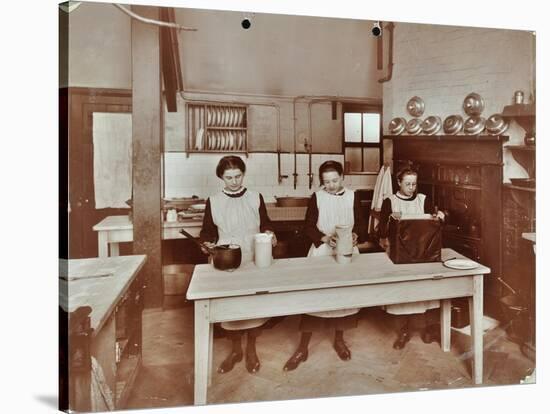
[415,206]
[333,210]
[238,220]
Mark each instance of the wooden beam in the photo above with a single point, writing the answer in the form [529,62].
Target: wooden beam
[147,124]
[171,69]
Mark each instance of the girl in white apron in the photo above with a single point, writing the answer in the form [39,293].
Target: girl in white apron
[408,201]
[234,216]
[330,206]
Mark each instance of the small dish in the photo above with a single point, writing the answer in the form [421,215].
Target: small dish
[453,124]
[397,126]
[198,140]
[415,106]
[496,124]
[460,264]
[209,117]
[474,125]
[431,125]
[198,207]
[473,104]
[414,126]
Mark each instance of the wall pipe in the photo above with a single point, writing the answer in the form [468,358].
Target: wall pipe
[390,26]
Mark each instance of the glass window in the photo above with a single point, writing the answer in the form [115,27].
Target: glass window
[371,128]
[362,140]
[352,127]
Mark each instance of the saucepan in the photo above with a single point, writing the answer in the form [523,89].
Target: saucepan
[224,257]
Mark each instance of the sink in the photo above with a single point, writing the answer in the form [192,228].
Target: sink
[292,201]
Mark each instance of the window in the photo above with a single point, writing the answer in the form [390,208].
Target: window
[362,138]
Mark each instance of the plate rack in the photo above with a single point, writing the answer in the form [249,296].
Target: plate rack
[217,128]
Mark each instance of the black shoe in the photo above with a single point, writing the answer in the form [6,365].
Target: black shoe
[402,340]
[342,350]
[252,362]
[229,362]
[432,333]
[294,361]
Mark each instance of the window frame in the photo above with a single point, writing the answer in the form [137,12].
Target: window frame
[362,108]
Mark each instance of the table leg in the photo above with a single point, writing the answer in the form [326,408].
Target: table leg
[445,320]
[210,353]
[102,244]
[203,330]
[476,328]
[114,249]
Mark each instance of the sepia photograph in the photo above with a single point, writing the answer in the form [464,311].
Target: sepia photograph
[265,206]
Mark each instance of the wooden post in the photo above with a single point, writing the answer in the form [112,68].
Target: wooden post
[147,124]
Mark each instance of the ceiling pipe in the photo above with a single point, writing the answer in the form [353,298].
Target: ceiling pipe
[152,21]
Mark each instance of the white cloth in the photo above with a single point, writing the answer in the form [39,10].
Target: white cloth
[112,140]
[383,188]
[412,207]
[333,210]
[238,220]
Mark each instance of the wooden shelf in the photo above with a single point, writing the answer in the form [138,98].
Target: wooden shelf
[517,187]
[216,128]
[465,138]
[519,110]
[528,148]
[525,156]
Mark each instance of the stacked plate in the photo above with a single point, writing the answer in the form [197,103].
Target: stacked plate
[474,125]
[496,124]
[453,124]
[414,126]
[397,126]
[431,125]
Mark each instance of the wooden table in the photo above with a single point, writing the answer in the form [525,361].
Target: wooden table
[303,285]
[113,230]
[117,229]
[108,286]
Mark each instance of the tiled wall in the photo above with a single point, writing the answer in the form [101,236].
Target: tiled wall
[443,64]
[195,175]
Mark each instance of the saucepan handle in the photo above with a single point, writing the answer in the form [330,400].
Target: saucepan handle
[194,240]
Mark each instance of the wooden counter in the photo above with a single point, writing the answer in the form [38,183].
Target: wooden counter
[113,289]
[118,229]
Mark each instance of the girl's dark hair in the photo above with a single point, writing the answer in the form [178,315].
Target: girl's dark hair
[330,165]
[404,172]
[230,162]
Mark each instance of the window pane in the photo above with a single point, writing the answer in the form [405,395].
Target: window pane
[353,156]
[371,128]
[352,127]
[372,159]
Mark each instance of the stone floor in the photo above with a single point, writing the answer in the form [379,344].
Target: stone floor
[166,378]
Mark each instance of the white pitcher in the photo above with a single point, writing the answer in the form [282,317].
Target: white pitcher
[263,249]
[344,243]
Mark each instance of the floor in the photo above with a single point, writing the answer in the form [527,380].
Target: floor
[166,378]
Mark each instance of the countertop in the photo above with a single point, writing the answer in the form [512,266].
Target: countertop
[124,223]
[113,276]
[305,273]
[275,213]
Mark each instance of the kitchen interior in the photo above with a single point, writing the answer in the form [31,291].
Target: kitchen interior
[147,110]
